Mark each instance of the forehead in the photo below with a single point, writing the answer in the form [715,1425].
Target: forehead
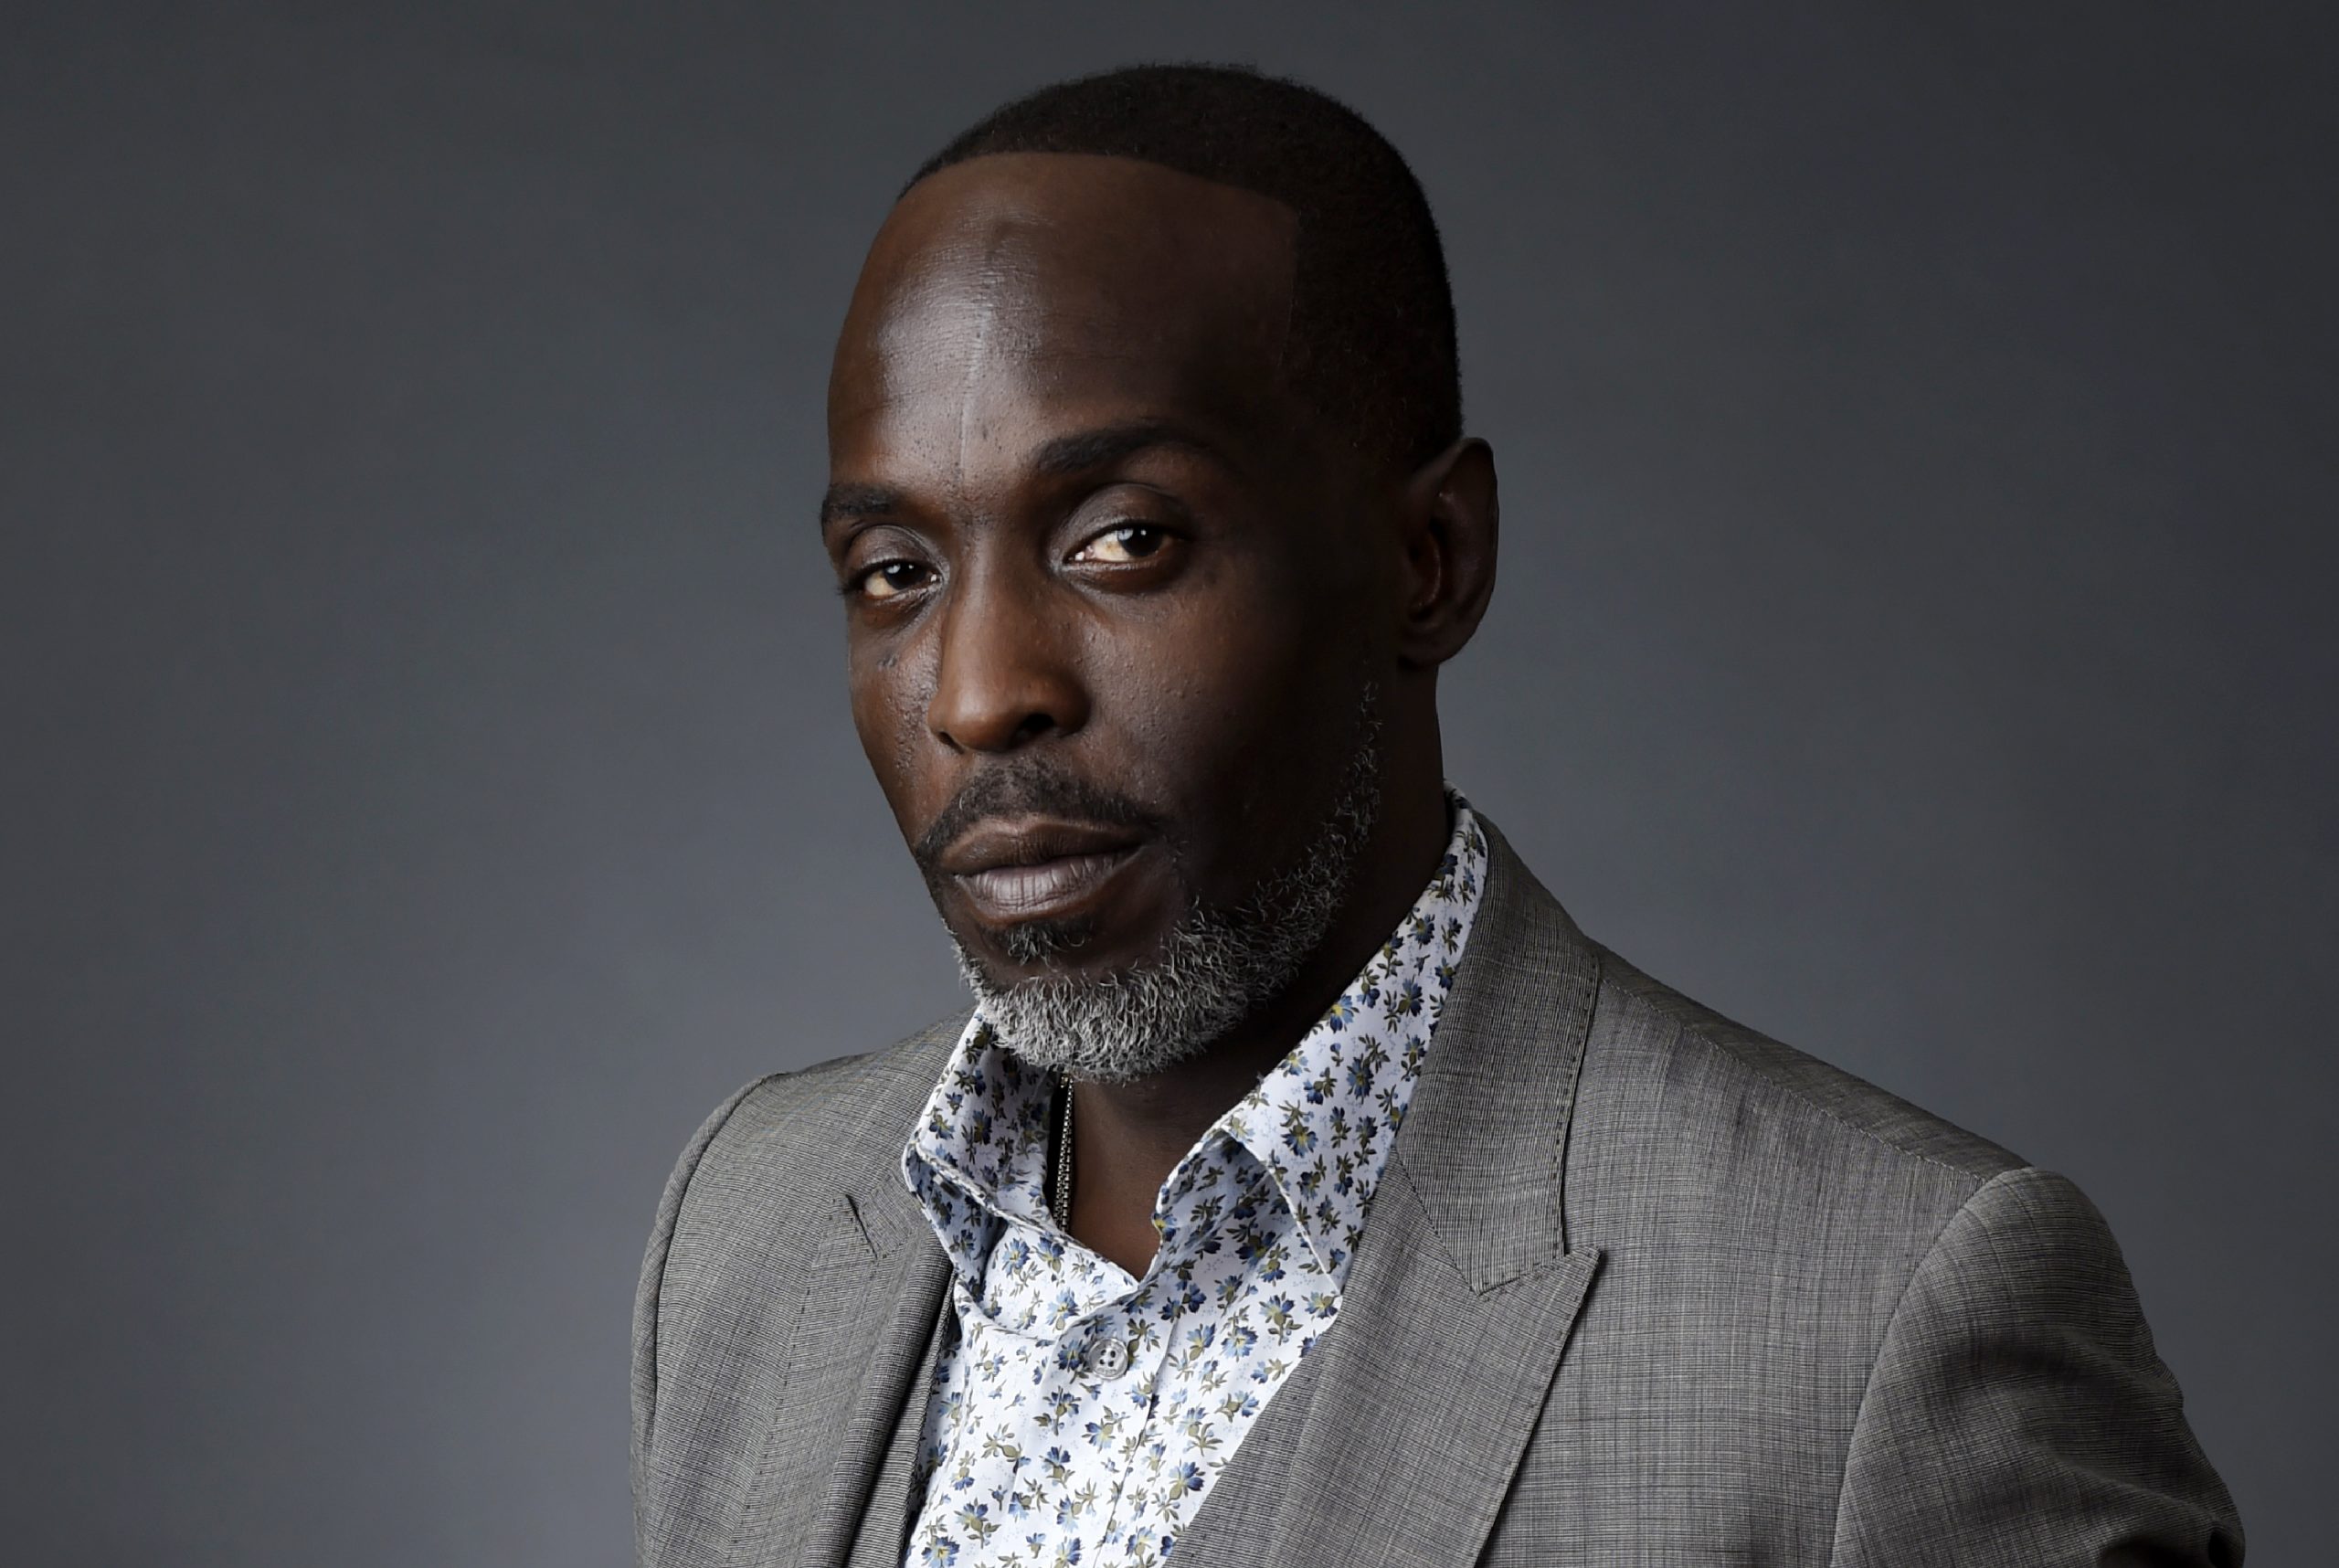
[1050,287]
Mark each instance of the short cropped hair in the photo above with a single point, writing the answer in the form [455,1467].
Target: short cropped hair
[1372,345]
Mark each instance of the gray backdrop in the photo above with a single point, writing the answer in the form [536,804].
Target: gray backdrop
[427,784]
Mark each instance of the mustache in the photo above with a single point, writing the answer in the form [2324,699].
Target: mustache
[1029,789]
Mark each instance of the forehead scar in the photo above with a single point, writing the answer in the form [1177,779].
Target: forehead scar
[987,304]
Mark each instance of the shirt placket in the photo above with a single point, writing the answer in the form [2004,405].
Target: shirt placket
[1130,1350]
[1019,1318]
[1120,1366]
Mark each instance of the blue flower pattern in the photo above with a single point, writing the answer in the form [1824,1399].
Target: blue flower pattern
[1037,1453]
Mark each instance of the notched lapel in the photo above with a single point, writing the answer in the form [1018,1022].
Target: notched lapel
[873,1294]
[1466,1287]
[1428,1392]
[873,1300]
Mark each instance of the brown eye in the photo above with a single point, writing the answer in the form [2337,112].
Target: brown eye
[1123,544]
[891,578]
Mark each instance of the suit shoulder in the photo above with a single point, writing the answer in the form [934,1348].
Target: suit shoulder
[1714,1065]
[807,1131]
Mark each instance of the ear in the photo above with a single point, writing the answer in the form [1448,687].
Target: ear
[1449,535]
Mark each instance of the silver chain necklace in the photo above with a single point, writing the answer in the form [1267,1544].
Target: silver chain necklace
[1060,1202]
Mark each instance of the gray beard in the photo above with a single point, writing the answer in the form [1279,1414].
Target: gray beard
[1216,967]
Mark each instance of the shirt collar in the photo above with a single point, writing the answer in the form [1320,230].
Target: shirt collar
[1322,1121]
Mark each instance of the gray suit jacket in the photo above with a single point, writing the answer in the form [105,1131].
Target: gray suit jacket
[1640,1287]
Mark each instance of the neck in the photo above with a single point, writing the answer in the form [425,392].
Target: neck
[1128,1136]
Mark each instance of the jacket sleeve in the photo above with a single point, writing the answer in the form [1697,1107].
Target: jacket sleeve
[2016,1413]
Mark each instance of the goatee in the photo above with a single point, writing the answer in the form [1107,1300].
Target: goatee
[1216,967]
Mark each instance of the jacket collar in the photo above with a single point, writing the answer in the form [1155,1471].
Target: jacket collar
[1485,1143]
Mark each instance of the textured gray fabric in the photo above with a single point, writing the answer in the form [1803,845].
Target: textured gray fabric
[1641,1286]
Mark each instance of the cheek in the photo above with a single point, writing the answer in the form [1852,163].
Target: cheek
[1241,717]
[889,687]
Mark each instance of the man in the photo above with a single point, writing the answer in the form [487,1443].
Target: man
[1303,1187]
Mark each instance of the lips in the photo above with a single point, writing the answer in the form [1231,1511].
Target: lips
[1051,887]
[1034,868]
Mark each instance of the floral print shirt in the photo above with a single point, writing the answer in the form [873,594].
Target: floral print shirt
[1079,1416]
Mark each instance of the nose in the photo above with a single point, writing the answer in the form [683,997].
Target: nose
[1007,675]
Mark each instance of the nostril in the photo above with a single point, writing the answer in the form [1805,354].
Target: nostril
[977,733]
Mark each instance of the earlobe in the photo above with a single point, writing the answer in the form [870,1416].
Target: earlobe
[1451,517]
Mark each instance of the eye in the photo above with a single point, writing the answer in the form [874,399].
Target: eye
[1124,544]
[889,580]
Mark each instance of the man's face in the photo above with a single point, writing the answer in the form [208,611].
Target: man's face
[1109,596]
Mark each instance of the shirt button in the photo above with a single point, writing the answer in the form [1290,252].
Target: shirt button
[1108,1357]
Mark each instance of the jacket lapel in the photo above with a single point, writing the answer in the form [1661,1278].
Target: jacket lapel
[870,1384]
[1464,1288]
[860,1357]
[882,1528]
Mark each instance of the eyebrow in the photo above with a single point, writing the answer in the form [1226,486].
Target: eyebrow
[842,502]
[1086,450]
[1063,458]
